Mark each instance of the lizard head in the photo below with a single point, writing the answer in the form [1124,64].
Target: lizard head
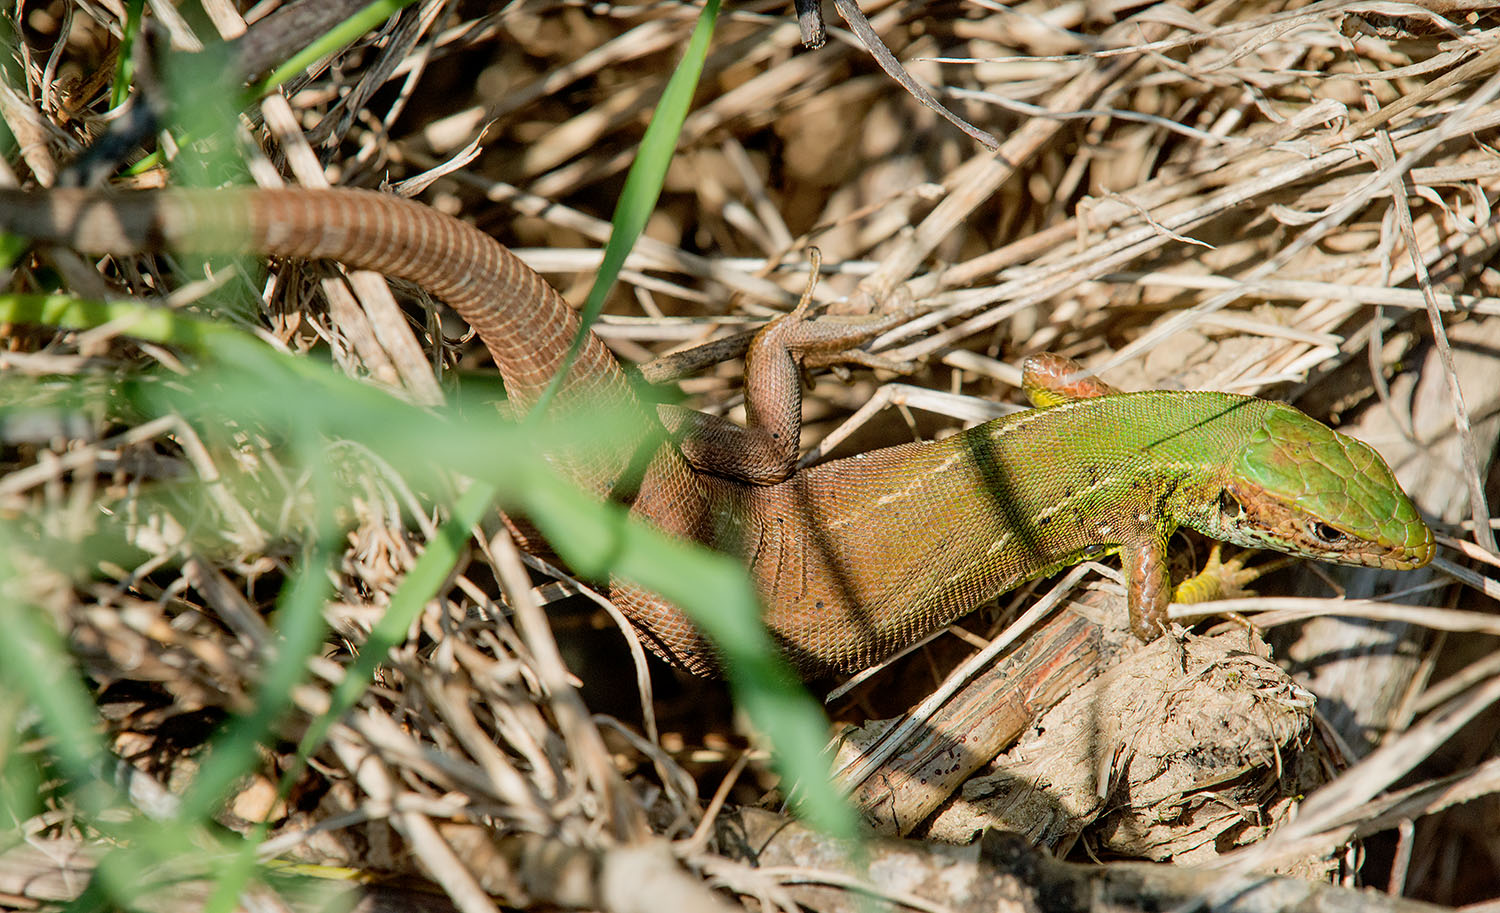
[1300,487]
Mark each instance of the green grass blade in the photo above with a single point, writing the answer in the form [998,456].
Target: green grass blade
[248,383]
[643,183]
[330,41]
[34,661]
[649,170]
[298,622]
[119,90]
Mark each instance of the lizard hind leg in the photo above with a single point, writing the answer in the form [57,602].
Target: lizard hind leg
[765,451]
[1050,379]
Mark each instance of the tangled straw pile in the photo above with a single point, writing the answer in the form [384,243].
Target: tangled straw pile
[1298,202]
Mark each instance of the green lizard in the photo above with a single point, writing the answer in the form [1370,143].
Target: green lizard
[858,557]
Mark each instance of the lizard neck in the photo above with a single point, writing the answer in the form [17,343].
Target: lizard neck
[1105,460]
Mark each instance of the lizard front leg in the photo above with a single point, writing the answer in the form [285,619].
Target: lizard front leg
[1148,581]
[1045,379]
[1148,585]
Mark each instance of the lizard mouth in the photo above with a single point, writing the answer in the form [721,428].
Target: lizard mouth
[1397,540]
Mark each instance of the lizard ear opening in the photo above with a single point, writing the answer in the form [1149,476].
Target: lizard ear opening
[1230,506]
[1326,534]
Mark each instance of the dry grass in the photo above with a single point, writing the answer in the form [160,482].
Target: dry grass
[1297,202]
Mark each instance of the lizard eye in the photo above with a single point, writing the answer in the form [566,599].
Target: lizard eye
[1326,534]
[1229,505]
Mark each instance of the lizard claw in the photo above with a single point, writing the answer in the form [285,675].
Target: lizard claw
[1222,579]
